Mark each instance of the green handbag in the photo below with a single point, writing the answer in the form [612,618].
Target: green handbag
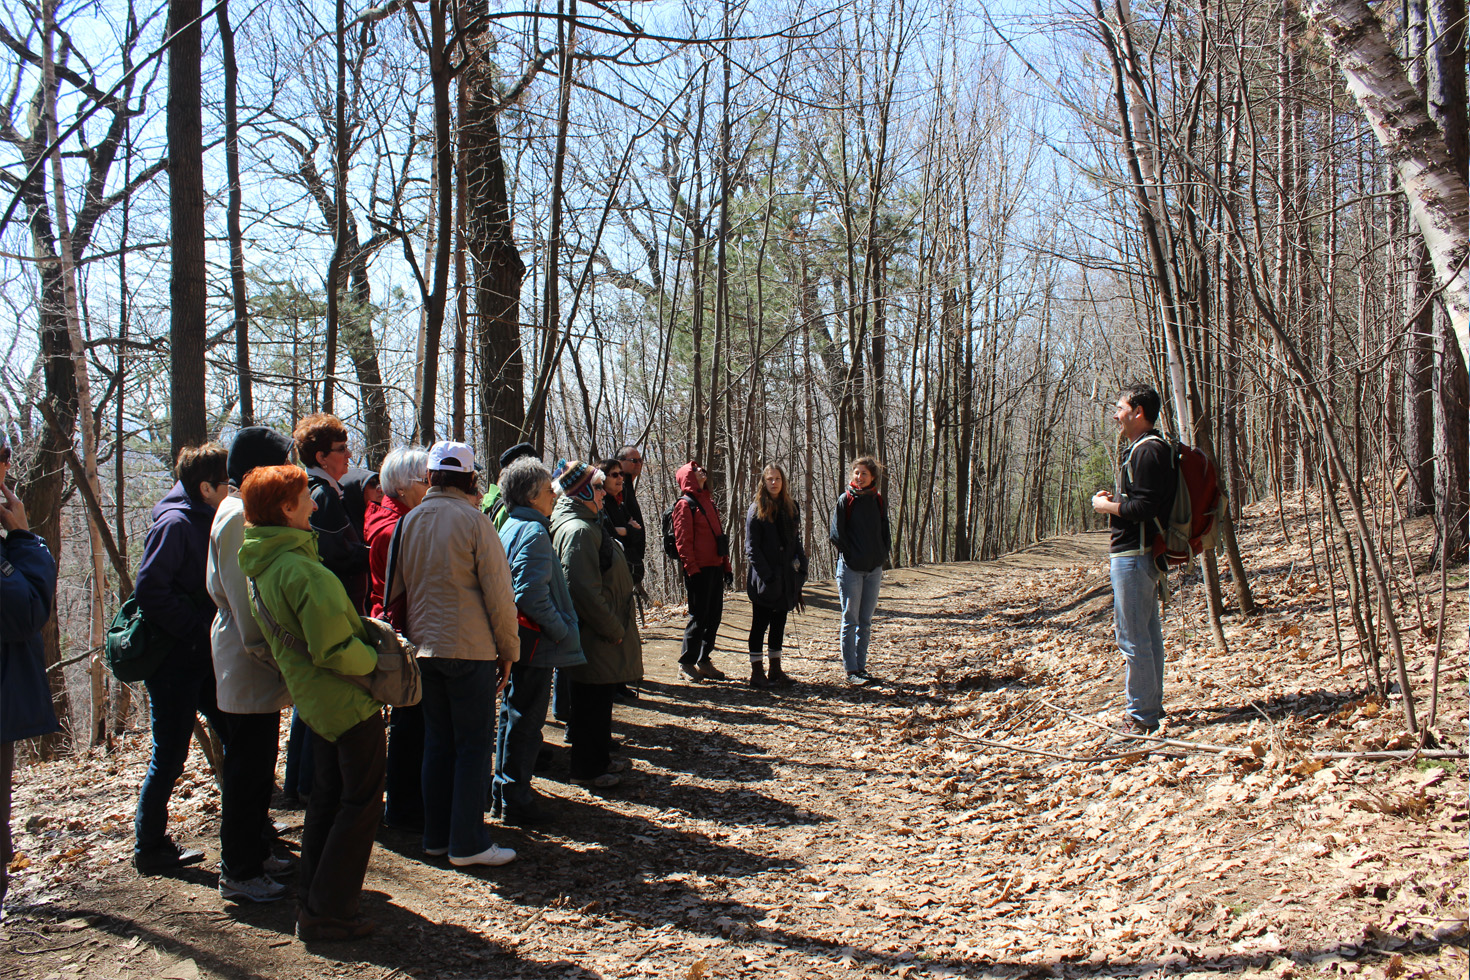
[134,649]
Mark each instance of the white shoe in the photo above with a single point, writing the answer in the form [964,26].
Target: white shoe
[857,679]
[492,856]
[435,852]
[261,889]
[273,865]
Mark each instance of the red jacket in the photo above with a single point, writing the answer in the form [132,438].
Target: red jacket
[378,532]
[695,531]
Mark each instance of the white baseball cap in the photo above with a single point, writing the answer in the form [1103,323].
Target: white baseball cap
[455,457]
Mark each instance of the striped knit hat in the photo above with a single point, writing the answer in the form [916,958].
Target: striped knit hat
[574,478]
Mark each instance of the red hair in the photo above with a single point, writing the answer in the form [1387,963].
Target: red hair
[267,490]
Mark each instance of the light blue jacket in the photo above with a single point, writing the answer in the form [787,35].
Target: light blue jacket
[541,588]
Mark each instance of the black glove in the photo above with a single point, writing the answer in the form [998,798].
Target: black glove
[729,579]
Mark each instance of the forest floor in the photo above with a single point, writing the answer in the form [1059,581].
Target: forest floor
[927,826]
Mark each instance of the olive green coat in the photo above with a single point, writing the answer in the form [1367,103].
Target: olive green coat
[602,594]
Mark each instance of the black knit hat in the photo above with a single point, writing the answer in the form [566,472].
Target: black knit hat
[256,446]
[516,452]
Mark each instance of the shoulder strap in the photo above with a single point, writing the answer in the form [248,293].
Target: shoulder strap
[393,559]
[275,629]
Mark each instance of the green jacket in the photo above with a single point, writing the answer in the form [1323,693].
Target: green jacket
[310,602]
[602,595]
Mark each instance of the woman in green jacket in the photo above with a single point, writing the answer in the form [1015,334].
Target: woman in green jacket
[601,584]
[303,598]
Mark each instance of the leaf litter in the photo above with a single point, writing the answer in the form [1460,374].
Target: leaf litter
[965,817]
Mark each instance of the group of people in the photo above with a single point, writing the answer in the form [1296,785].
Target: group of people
[275,574]
[278,585]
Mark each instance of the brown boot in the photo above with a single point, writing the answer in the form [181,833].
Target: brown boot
[758,675]
[778,677]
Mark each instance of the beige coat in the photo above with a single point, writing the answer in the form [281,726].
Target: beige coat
[247,680]
[453,567]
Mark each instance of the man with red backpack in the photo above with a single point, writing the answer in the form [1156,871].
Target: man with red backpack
[1143,501]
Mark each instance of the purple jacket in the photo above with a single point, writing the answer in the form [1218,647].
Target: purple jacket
[170,582]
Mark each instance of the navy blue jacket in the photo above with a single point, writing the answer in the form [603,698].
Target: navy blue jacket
[27,594]
[775,560]
[860,530]
[170,582]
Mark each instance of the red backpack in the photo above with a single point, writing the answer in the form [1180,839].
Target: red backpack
[1194,520]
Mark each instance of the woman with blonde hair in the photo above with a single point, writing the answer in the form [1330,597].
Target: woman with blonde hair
[775,571]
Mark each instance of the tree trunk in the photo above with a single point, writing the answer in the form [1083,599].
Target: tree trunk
[188,421]
[1400,119]
[498,266]
[232,221]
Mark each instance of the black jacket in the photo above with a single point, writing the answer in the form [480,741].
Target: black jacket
[1146,485]
[775,562]
[860,531]
[338,542]
[27,594]
[619,513]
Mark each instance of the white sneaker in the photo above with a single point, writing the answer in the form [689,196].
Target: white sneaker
[261,889]
[492,856]
[278,865]
[436,852]
[856,679]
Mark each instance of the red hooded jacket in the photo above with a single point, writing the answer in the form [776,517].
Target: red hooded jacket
[378,532]
[695,531]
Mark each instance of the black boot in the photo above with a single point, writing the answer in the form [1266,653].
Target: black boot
[778,677]
[758,675]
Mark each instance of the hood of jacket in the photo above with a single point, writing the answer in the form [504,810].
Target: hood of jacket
[685,478]
[178,501]
[569,509]
[263,545]
[354,486]
[383,517]
[528,513]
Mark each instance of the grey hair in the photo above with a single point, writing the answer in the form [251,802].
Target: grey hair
[522,480]
[402,468]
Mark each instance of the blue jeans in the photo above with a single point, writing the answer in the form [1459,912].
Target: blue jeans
[1140,633]
[522,715]
[859,594]
[182,687]
[459,733]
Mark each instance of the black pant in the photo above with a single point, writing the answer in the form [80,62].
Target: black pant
[405,805]
[706,607]
[762,617]
[342,817]
[249,777]
[589,729]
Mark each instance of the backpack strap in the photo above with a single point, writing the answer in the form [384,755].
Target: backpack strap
[275,629]
[1151,435]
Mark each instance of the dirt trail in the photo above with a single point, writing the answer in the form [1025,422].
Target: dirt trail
[822,830]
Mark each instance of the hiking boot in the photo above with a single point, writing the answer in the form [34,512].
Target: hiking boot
[758,676]
[262,888]
[709,671]
[605,780]
[776,676]
[165,858]
[325,929]
[689,672]
[528,816]
[1129,725]
[491,856]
